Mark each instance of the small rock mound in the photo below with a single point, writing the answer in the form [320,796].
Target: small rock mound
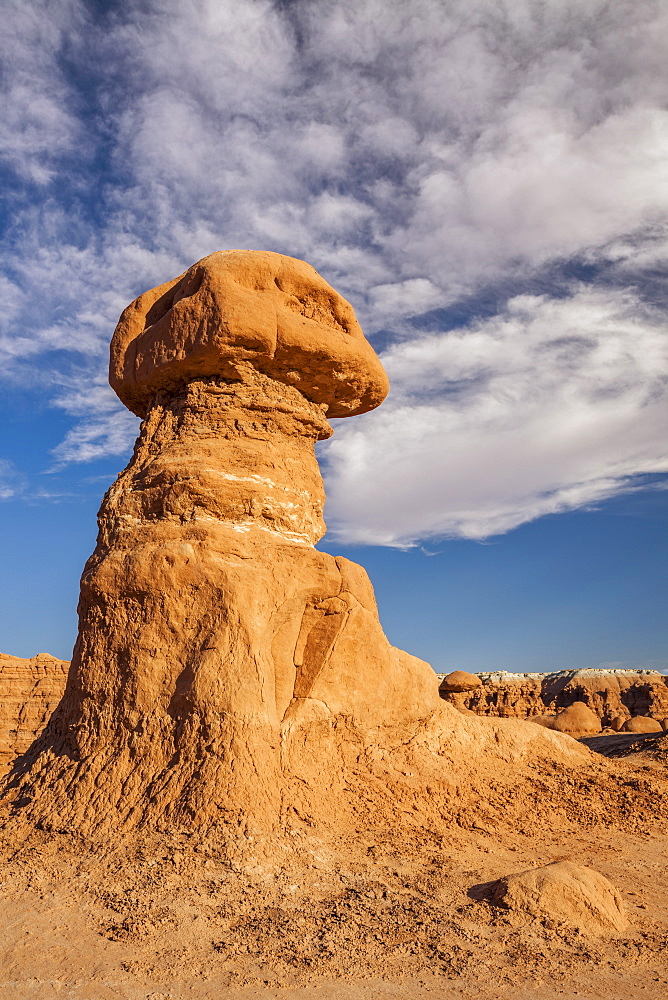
[568,893]
[577,718]
[459,680]
[641,724]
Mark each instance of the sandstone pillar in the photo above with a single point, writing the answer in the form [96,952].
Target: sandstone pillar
[219,652]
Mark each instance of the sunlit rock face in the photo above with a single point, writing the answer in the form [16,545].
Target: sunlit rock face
[211,632]
[273,311]
[29,692]
[235,452]
[229,679]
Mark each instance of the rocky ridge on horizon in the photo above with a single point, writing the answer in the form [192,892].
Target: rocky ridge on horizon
[30,689]
[610,694]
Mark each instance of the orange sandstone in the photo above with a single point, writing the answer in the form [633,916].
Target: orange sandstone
[565,892]
[272,311]
[577,718]
[228,676]
[458,681]
[29,692]
[608,693]
[641,724]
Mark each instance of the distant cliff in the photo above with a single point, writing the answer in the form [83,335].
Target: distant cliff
[609,693]
[29,692]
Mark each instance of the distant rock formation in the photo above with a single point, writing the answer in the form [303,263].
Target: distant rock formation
[29,692]
[577,718]
[641,724]
[610,694]
[458,681]
[228,676]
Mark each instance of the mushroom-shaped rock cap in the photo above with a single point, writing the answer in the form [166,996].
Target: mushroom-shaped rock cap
[459,680]
[253,306]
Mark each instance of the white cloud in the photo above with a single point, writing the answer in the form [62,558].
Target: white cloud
[554,405]
[440,145]
[37,123]
[12,483]
[405,298]
[416,154]
[97,437]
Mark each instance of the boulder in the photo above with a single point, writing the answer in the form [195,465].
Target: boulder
[641,724]
[457,681]
[618,723]
[274,312]
[567,893]
[577,718]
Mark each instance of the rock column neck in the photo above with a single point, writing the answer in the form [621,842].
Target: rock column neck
[234,453]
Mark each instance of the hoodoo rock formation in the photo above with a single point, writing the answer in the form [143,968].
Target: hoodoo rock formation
[227,674]
[577,718]
[641,724]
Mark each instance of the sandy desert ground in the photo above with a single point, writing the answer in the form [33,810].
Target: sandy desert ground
[379,917]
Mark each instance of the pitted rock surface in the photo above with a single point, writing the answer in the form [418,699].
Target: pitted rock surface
[274,312]
[29,692]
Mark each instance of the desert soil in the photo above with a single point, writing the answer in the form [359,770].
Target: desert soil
[382,917]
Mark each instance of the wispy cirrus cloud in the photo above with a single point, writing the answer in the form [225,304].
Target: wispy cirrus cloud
[97,437]
[12,482]
[39,123]
[423,157]
[104,428]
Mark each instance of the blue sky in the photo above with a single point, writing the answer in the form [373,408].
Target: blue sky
[484,181]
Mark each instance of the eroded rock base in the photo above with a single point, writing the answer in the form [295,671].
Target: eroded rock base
[388,913]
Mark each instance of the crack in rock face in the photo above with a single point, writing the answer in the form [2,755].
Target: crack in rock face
[228,676]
